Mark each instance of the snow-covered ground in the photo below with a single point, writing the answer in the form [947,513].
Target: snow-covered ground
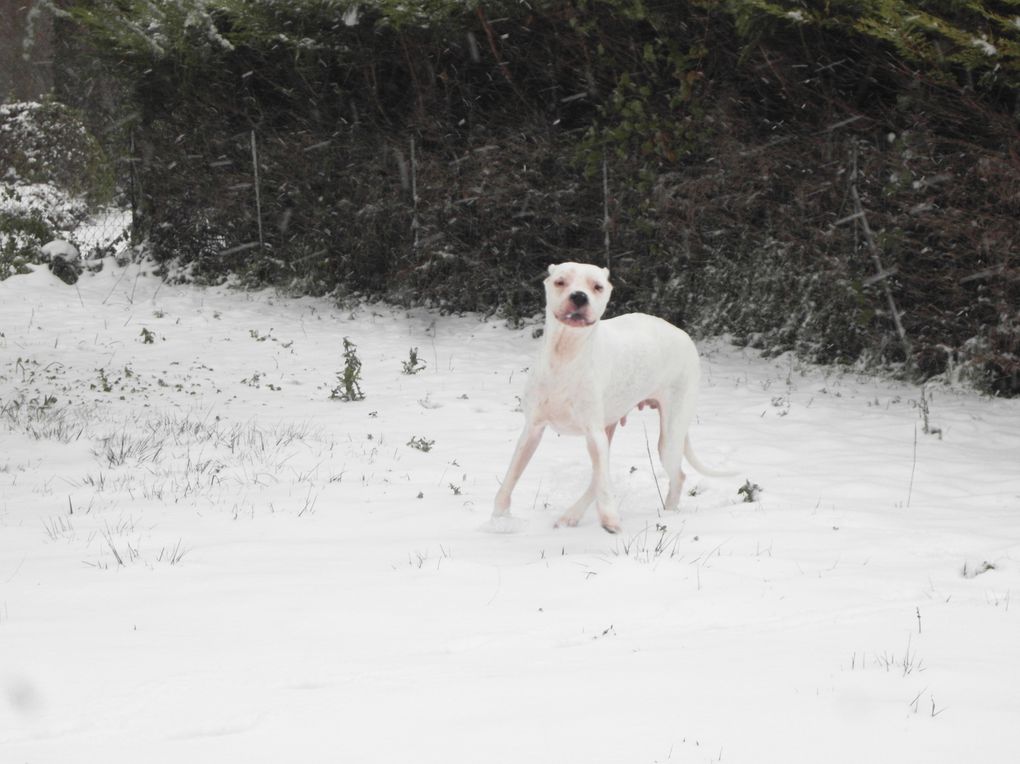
[205,558]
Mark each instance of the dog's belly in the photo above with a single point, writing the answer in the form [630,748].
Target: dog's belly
[581,408]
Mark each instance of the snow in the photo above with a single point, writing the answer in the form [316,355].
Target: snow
[43,200]
[204,558]
[986,47]
[60,248]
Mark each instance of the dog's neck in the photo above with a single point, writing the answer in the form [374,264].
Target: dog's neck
[565,344]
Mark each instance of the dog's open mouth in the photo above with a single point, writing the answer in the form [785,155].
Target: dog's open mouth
[574,318]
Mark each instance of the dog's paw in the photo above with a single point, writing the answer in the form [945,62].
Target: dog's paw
[503,524]
[567,521]
[611,525]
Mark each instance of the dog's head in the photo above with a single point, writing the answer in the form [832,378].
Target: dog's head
[576,294]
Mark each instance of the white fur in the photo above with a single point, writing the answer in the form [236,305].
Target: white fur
[590,373]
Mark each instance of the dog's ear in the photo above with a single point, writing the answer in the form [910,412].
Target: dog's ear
[605,273]
[552,267]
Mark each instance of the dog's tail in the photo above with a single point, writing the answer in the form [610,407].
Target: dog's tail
[696,462]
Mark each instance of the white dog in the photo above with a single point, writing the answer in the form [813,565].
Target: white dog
[590,373]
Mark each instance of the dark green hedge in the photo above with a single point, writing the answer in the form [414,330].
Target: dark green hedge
[448,153]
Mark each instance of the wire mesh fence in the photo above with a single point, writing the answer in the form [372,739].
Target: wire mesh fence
[106,231]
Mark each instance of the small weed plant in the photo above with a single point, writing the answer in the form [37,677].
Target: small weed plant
[924,410]
[649,546]
[750,491]
[421,444]
[173,554]
[413,364]
[105,385]
[349,380]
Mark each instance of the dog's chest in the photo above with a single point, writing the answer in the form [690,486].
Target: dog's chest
[568,404]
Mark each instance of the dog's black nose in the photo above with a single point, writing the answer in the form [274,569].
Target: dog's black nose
[580,299]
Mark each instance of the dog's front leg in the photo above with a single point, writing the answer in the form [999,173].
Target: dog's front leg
[573,515]
[526,445]
[597,440]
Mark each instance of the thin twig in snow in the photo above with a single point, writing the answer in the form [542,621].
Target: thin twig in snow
[605,207]
[113,289]
[414,199]
[913,468]
[869,239]
[258,194]
[662,502]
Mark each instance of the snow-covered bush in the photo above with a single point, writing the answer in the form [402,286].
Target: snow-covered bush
[48,143]
[49,168]
[32,214]
[21,239]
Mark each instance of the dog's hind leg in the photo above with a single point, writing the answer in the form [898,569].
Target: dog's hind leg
[674,420]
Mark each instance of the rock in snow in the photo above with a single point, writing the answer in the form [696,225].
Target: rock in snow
[63,260]
[60,248]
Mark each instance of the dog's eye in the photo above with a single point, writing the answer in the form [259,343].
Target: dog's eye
[560,282]
[598,287]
